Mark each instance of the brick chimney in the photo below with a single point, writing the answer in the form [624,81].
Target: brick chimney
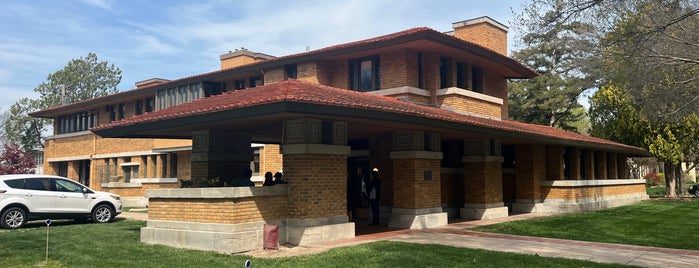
[241,57]
[483,31]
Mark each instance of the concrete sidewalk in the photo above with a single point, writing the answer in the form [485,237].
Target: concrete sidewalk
[459,235]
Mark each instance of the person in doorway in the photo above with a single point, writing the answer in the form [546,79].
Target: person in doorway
[269,180]
[374,194]
[278,178]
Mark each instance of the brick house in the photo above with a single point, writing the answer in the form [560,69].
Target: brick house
[428,109]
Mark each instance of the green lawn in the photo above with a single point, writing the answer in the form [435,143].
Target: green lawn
[116,245]
[670,224]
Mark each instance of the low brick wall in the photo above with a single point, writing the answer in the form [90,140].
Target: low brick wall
[586,195]
[222,219]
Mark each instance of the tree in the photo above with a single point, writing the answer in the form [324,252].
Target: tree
[561,53]
[645,53]
[14,160]
[81,79]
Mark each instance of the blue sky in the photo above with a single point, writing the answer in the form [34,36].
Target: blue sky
[176,38]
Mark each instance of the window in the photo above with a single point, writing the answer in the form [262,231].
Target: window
[149,103]
[239,84]
[68,186]
[460,79]
[172,164]
[139,107]
[122,111]
[41,184]
[181,94]
[443,72]
[420,83]
[63,169]
[256,81]
[130,172]
[75,122]
[112,112]
[477,79]
[364,74]
[290,71]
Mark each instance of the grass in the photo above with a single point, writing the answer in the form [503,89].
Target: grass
[659,191]
[669,224]
[117,245]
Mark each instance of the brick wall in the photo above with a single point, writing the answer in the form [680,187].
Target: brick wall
[139,191]
[270,159]
[317,185]
[452,185]
[223,210]
[574,193]
[554,162]
[482,182]
[430,75]
[485,35]
[530,169]
[274,75]
[470,105]
[333,73]
[601,161]
[394,69]
[308,72]
[410,189]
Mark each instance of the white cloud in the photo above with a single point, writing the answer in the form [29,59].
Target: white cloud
[103,4]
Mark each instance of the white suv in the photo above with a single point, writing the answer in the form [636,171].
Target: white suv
[34,197]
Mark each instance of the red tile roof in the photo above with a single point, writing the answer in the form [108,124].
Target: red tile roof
[406,35]
[303,92]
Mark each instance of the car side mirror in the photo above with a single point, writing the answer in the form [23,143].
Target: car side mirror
[85,190]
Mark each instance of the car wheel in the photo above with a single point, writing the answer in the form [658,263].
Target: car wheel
[102,213]
[13,218]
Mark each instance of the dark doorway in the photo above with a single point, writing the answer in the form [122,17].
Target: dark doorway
[84,172]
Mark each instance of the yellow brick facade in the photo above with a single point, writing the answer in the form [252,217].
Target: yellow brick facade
[219,210]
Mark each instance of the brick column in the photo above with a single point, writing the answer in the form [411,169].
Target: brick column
[554,162]
[530,169]
[483,180]
[151,166]
[315,166]
[588,166]
[220,154]
[601,163]
[573,155]
[621,167]
[417,201]
[160,166]
[612,172]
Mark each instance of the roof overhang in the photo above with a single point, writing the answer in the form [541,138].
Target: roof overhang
[261,112]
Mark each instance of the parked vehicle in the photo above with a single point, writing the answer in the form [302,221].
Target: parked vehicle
[34,197]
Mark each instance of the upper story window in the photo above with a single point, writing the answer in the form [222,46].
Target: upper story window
[256,81]
[364,74]
[477,79]
[75,122]
[144,105]
[290,71]
[173,96]
[239,84]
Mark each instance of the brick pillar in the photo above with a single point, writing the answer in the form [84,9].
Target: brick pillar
[554,162]
[315,166]
[430,75]
[612,172]
[151,166]
[483,180]
[220,154]
[530,169]
[160,166]
[621,167]
[588,166]
[601,165]
[573,155]
[417,201]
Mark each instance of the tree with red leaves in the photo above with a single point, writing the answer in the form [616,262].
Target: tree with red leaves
[14,160]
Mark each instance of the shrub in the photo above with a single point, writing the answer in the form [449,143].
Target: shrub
[654,179]
[202,183]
